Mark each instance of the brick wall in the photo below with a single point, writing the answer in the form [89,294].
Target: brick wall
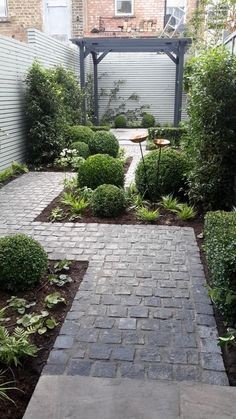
[77,17]
[22,14]
[148,19]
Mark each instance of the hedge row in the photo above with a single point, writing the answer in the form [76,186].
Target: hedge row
[220,248]
[173,134]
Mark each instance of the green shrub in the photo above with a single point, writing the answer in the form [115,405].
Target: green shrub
[53,101]
[120,121]
[108,201]
[14,170]
[220,248]
[148,120]
[173,134]
[100,128]
[104,143]
[212,129]
[23,262]
[173,167]
[81,148]
[100,169]
[79,133]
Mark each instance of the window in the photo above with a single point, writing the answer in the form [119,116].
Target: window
[3,8]
[124,7]
[58,19]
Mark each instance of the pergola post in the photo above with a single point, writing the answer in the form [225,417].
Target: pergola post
[179,85]
[82,80]
[95,88]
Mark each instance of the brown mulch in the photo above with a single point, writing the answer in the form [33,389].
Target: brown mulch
[26,376]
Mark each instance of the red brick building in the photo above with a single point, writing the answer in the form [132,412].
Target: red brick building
[64,19]
[132,17]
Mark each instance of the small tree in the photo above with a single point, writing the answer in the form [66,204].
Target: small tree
[53,101]
[211,81]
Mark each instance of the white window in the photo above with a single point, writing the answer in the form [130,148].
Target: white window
[58,19]
[124,7]
[3,8]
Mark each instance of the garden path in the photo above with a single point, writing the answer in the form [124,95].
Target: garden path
[142,310]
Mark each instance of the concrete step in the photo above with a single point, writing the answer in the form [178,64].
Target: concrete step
[67,397]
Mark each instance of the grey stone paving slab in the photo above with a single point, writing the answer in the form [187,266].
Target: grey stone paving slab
[142,309]
[60,397]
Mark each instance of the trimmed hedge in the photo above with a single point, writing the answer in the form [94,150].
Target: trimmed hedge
[101,169]
[220,248]
[108,201]
[173,167]
[104,143]
[148,120]
[23,262]
[173,134]
[120,121]
[96,128]
[81,148]
[79,133]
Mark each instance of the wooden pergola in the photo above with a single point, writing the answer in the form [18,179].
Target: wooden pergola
[174,48]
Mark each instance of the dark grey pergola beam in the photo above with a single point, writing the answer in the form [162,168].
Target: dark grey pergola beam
[174,48]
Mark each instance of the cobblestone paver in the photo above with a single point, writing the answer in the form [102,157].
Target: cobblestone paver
[142,310]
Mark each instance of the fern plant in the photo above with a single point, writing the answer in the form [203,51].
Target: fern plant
[15,346]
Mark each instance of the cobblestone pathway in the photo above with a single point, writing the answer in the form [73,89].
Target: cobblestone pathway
[142,310]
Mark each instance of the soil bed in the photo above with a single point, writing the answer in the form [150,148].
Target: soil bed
[129,217]
[53,168]
[25,377]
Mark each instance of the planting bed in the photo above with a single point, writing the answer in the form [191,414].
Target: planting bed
[25,377]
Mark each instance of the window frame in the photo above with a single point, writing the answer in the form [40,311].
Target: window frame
[117,14]
[6,8]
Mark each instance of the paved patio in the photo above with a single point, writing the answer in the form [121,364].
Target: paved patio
[142,310]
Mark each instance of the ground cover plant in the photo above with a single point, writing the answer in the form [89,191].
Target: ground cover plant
[31,319]
[15,170]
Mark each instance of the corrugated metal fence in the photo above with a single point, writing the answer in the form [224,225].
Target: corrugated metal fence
[16,57]
[149,75]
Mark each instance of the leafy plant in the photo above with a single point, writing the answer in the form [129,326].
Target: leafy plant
[145,214]
[69,158]
[19,304]
[108,201]
[148,120]
[229,339]
[57,214]
[172,174]
[5,387]
[186,212]
[101,169]
[169,203]
[14,170]
[212,128]
[37,322]
[59,281]
[23,262]
[220,248]
[70,184]
[52,300]
[104,143]
[15,346]
[82,149]
[79,133]
[120,121]
[62,265]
